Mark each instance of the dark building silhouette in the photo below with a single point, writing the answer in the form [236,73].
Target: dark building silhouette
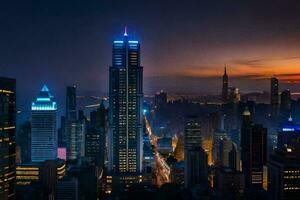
[95,139]
[284,173]
[234,158]
[61,133]
[196,167]
[230,183]
[125,109]
[71,112]
[74,130]
[274,92]
[24,140]
[160,99]
[274,97]
[288,135]
[253,152]
[7,138]
[225,86]
[285,104]
[67,189]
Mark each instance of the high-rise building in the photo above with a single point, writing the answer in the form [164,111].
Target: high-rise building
[284,173]
[125,108]
[253,152]
[274,98]
[67,189]
[225,86]
[23,139]
[61,133]
[74,129]
[234,158]
[285,100]
[225,147]
[160,99]
[288,135]
[274,91]
[95,139]
[196,160]
[234,94]
[43,127]
[229,182]
[217,137]
[7,138]
[71,112]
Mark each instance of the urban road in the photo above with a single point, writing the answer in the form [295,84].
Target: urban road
[162,170]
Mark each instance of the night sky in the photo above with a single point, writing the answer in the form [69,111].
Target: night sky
[185,44]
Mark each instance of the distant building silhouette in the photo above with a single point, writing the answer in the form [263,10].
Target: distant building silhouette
[274,91]
[225,86]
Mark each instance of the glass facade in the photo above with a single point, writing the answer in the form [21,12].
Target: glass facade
[125,103]
[7,138]
[43,128]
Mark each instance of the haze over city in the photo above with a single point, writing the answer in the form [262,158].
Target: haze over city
[64,42]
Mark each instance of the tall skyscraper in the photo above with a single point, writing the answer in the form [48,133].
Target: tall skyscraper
[274,91]
[194,156]
[24,140]
[43,127]
[253,152]
[288,135]
[284,173]
[95,139]
[7,138]
[161,99]
[125,108]
[225,86]
[73,128]
[285,100]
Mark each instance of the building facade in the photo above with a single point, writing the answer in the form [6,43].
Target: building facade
[43,127]
[7,138]
[125,108]
[195,158]
[284,174]
[253,152]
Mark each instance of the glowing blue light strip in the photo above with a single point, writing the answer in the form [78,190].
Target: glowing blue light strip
[135,42]
[118,41]
[51,106]
[43,99]
[288,129]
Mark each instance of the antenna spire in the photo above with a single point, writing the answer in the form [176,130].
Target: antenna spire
[290,118]
[125,31]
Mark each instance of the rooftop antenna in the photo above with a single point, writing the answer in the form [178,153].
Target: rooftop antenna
[125,31]
[290,118]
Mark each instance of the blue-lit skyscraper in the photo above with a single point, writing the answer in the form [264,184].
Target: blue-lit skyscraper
[43,128]
[125,108]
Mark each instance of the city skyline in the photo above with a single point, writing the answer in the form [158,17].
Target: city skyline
[150,100]
[255,40]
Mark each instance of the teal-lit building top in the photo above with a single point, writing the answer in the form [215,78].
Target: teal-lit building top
[45,101]
[43,127]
